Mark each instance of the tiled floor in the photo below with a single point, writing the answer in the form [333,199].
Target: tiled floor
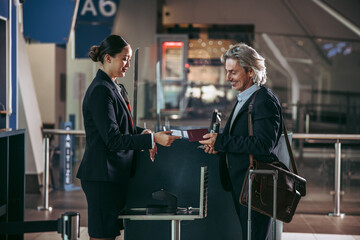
[302,227]
[284,236]
[323,224]
[311,236]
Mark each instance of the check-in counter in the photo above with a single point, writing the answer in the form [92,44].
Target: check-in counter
[177,170]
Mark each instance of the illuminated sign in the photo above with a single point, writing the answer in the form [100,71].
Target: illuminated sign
[172,60]
[172,44]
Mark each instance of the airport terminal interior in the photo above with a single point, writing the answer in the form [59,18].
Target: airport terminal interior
[177,81]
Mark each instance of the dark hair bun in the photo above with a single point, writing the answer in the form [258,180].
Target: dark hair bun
[111,45]
[94,53]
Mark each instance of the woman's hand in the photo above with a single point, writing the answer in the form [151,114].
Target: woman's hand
[152,153]
[164,139]
[146,131]
[209,143]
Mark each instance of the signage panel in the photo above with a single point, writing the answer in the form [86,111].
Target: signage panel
[4,8]
[93,23]
[48,21]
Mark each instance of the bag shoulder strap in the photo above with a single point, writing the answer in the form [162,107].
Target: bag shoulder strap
[291,155]
[288,146]
[250,124]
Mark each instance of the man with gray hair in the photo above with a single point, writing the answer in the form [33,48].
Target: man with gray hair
[246,72]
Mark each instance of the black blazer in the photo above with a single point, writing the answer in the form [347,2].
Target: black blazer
[110,137]
[236,144]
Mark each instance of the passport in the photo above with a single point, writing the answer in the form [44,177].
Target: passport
[197,134]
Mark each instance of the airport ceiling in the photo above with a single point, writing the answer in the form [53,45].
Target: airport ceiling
[310,18]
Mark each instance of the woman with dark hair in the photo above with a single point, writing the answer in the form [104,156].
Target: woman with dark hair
[111,139]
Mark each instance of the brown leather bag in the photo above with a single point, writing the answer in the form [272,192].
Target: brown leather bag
[290,186]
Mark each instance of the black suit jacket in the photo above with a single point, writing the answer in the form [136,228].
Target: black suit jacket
[236,144]
[110,137]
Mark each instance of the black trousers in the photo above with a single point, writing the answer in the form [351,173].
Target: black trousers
[260,224]
[105,201]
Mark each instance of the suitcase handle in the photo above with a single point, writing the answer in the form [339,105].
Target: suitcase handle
[275,178]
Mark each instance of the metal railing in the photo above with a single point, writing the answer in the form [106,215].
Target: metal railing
[46,158]
[337,138]
[304,136]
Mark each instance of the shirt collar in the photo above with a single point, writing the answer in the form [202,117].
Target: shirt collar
[244,95]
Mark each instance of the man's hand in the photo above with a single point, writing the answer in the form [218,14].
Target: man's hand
[209,143]
[164,139]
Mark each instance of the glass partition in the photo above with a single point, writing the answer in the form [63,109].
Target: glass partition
[316,163]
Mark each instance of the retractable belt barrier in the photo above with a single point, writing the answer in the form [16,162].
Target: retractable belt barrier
[68,226]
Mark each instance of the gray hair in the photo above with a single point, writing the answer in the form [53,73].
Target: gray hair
[247,57]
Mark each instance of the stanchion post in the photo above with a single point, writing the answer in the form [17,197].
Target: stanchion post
[275,179]
[336,212]
[46,145]
[175,229]
[249,205]
[70,226]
